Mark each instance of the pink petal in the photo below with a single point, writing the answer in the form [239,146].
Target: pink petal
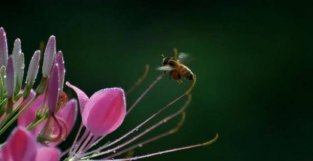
[5,154]
[105,111]
[21,145]
[30,114]
[48,154]
[69,113]
[82,97]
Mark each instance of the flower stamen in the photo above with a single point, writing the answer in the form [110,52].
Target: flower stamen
[150,140]
[144,93]
[167,151]
[139,80]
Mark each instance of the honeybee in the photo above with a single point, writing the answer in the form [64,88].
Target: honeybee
[175,67]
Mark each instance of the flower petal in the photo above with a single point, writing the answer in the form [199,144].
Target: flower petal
[21,145]
[82,97]
[48,154]
[105,111]
[69,113]
[30,115]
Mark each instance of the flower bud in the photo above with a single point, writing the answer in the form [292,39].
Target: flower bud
[2,80]
[49,56]
[3,48]
[32,72]
[10,81]
[19,71]
[60,60]
[53,90]
[16,50]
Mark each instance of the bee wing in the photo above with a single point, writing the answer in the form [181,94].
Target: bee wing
[183,57]
[165,68]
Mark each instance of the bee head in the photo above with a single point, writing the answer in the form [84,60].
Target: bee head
[165,60]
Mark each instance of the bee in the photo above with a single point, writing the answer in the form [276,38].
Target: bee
[176,68]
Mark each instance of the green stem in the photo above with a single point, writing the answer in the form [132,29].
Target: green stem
[36,123]
[7,116]
[6,126]
[3,102]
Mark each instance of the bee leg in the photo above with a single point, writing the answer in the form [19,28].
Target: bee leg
[171,75]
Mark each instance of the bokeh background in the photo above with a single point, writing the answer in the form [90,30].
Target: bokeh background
[253,61]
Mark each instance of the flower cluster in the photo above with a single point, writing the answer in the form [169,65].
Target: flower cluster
[45,115]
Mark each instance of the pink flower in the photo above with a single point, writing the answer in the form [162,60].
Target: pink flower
[104,111]
[46,116]
[22,146]
[29,115]
[68,113]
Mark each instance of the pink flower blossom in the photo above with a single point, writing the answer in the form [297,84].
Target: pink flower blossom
[22,146]
[45,116]
[68,113]
[104,111]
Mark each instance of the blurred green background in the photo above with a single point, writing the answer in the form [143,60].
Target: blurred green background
[253,61]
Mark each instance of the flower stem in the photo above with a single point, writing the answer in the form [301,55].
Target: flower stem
[36,123]
[14,118]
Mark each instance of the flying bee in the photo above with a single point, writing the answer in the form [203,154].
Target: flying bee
[175,67]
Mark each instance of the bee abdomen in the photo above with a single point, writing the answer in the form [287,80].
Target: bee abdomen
[189,76]
[175,75]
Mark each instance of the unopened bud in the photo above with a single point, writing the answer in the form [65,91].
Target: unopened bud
[53,90]
[32,72]
[60,61]
[3,48]
[10,81]
[16,49]
[49,56]
[10,84]
[2,81]
[19,71]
